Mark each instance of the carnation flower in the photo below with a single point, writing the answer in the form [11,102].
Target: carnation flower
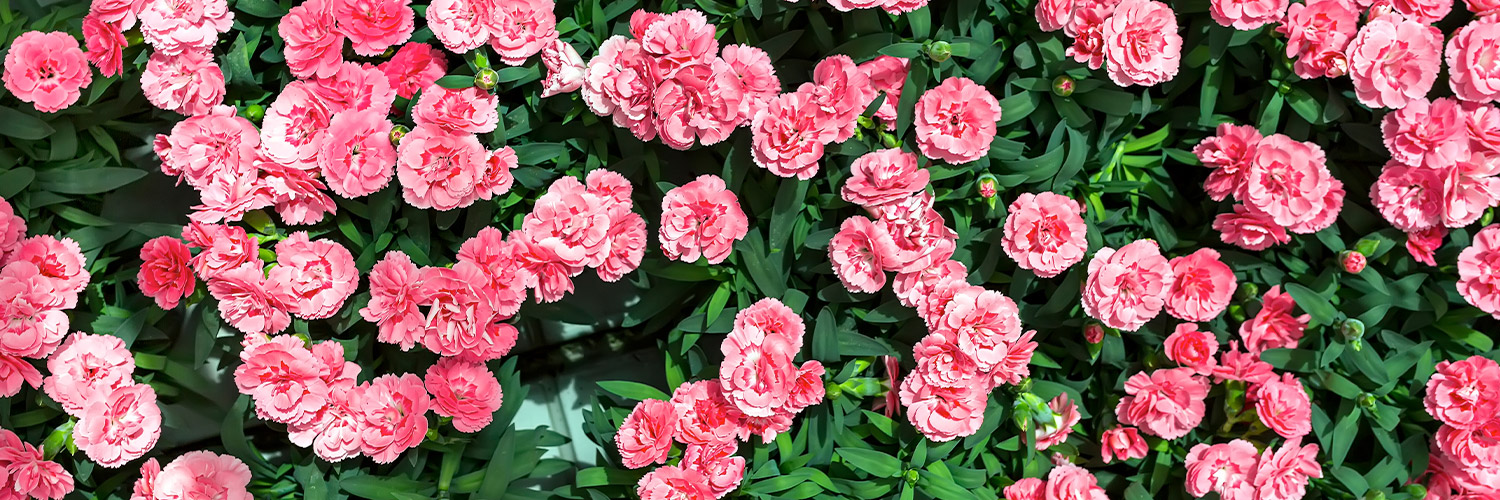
[353,87]
[1141,43]
[222,248]
[1283,474]
[462,25]
[14,372]
[203,474]
[627,244]
[883,176]
[1393,61]
[519,29]
[1229,152]
[1225,468]
[165,275]
[465,391]
[757,78]
[955,121]
[841,91]
[717,463]
[439,169]
[1419,128]
[1319,26]
[1121,443]
[704,416]
[574,218]
[920,235]
[392,412]
[621,83]
[215,149]
[459,310]
[1087,30]
[1202,288]
[314,45]
[984,323]
[295,127]
[1249,229]
[415,66]
[249,302]
[174,26]
[1045,233]
[374,25]
[857,252]
[1274,326]
[888,75]
[87,369]
[12,229]
[1071,482]
[645,437]
[1064,416]
[121,13]
[1026,488]
[1284,406]
[787,138]
[1410,198]
[1242,366]
[673,482]
[1463,394]
[1128,287]
[189,83]
[119,428]
[699,102]
[1166,403]
[470,109]
[913,288]
[565,69]
[1422,245]
[1479,271]
[701,218]
[1286,180]
[319,275]
[29,473]
[757,374]
[104,42]
[1423,11]
[284,379]
[395,285]
[1189,347]
[1247,14]
[47,70]
[943,413]
[357,158]
[1052,15]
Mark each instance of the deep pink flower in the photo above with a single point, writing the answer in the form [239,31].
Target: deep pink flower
[14,372]
[222,248]
[1087,30]
[955,121]
[314,45]
[357,158]
[1249,229]
[1141,43]
[175,27]
[1071,482]
[439,169]
[203,474]
[1284,473]
[672,482]
[1419,128]
[1247,14]
[1189,347]
[1242,366]
[565,69]
[320,275]
[1128,287]
[1410,198]
[941,363]
[392,412]
[1121,443]
[104,42]
[87,369]
[1274,326]
[120,427]
[883,176]
[857,252]
[1283,406]
[1202,288]
[1470,185]
[717,463]
[415,66]
[704,416]
[469,109]
[29,474]
[1394,60]
[395,284]
[1166,403]
[1225,468]
[189,83]
[374,25]
[519,29]
[249,302]
[1044,232]
[1479,271]
[645,437]
[284,379]
[888,75]
[1026,488]
[1229,152]
[47,70]
[701,218]
[465,391]
[1064,416]
[165,275]
[1422,245]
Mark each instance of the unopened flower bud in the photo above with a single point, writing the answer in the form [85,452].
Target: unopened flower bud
[912,476]
[255,112]
[939,51]
[1353,261]
[1094,333]
[397,132]
[486,78]
[1416,490]
[988,188]
[1367,401]
[1063,86]
[1351,329]
[1247,292]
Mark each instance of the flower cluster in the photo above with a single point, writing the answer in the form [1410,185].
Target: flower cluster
[893,7]
[1066,481]
[311,278]
[669,79]
[195,474]
[25,473]
[1479,271]
[759,391]
[92,378]
[40,278]
[441,163]
[1138,38]
[1236,471]
[1281,185]
[516,30]
[1465,397]
[907,234]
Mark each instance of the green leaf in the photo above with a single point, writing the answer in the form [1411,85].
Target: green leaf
[1316,305]
[88,181]
[876,463]
[23,126]
[456,82]
[633,390]
[538,152]
[260,8]
[825,341]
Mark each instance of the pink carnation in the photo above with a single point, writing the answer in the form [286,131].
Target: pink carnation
[856,253]
[627,244]
[392,412]
[1412,132]
[1052,15]
[1284,473]
[1087,29]
[1226,468]
[1121,443]
[143,487]
[29,473]
[47,70]
[175,27]
[189,83]
[913,288]
[1464,394]
[573,218]
[1202,288]
[295,127]
[1247,14]
[395,285]
[1249,229]
[1071,482]
[645,437]
[1189,347]
[920,235]
[673,482]
[460,313]
[119,428]
[704,416]
[462,25]
[700,102]
[165,274]
[104,42]
[121,13]
[1026,488]
[1479,271]
[1423,245]
[284,379]
[984,323]
[1044,232]
[1141,43]
[519,29]
[883,176]
[213,150]
[299,197]
[955,121]
[314,45]
[787,138]
[1229,152]
[87,369]
[565,69]
[1166,403]
[841,91]
[1128,287]
[1283,406]
[621,83]
[1423,11]
[320,275]
[1394,60]
[757,77]
[941,413]
[1470,186]
[354,86]
[249,302]
[465,391]
[1242,366]
[221,248]
[374,25]
[357,158]
[701,218]
[470,109]
[12,229]
[203,474]
[1274,326]
[1286,180]
[415,66]
[1064,416]
[888,75]
[14,372]
[439,169]
[757,374]
[717,463]
[1319,26]
[1410,198]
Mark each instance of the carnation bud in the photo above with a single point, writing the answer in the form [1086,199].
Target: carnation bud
[1367,401]
[1063,86]
[1374,495]
[1352,330]
[912,476]
[255,112]
[1353,262]
[939,51]
[1247,292]
[1416,490]
[1487,218]
[833,390]
[1338,65]
[1024,386]
[1093,332]
[1380,9]
[397,132]
[486,78]
[988,188]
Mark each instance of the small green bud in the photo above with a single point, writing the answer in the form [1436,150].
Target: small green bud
[1063,86]
[1416,490]
[486,78]
[255,112]
[1367,401]
[1351,330]
[939,51]
[397,132]
[1374,495]
[912,476]
[834,391]
[1247,292]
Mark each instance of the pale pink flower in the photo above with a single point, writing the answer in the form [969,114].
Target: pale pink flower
[1128,287]
[883,176]
[645,437]
[520,28]
[1332,203]
[88,368]
[787,138]
[357,159]
[1286,180]
[841,92]
[1482,122]
[14,372]
[699,102]
[1418,129]
[807,389]
[120,427]
[319,275]
[1229,152]
[1274,326]
[469,109]
[28,473]
[392,411]
[1064,416]
[203,474]
[627,244]
[354,86]
[913,288]
[678,39]
[1423,244]
[1247,14]
[984,323]
[1026,488]
[1393,61]
[1470,185]
[888,75]
[1202,288]
[495,258]
[60,266]
[717,463]
[851,5]
[1044,232]
[921,236]
[941,363]
[104,42]
[1410,198]
[1464,394]
[955,121]
[298,196]
[1071,482]
[1249,229]
[179,26]
[1141,43]
[757,76]
[249,302]
[465,391]
[214,149]
[1423,11]
[940,413]
[1121,443]
[701,218]
[12,229]
[295,127]
[857,252]
[1087,30]
[415,66]
[1283,405]
[189,83]
[621,83]
[549,264]
[1189,347]
[1479,271]
[673,482]
[1225,468]
[165,274]
[1482,7]
[1052,15]
[462,25]
[334,437]
[439,169]
[1319,26]
[704,416]
[574,218]
[757,374]
[143,487]
[1284,473]
[28,292]
[284,379]
[374,25]
[314,45]
[221,248]
[1242,366]
[1166,403]
[898,7]
[47,70]
[565,69]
